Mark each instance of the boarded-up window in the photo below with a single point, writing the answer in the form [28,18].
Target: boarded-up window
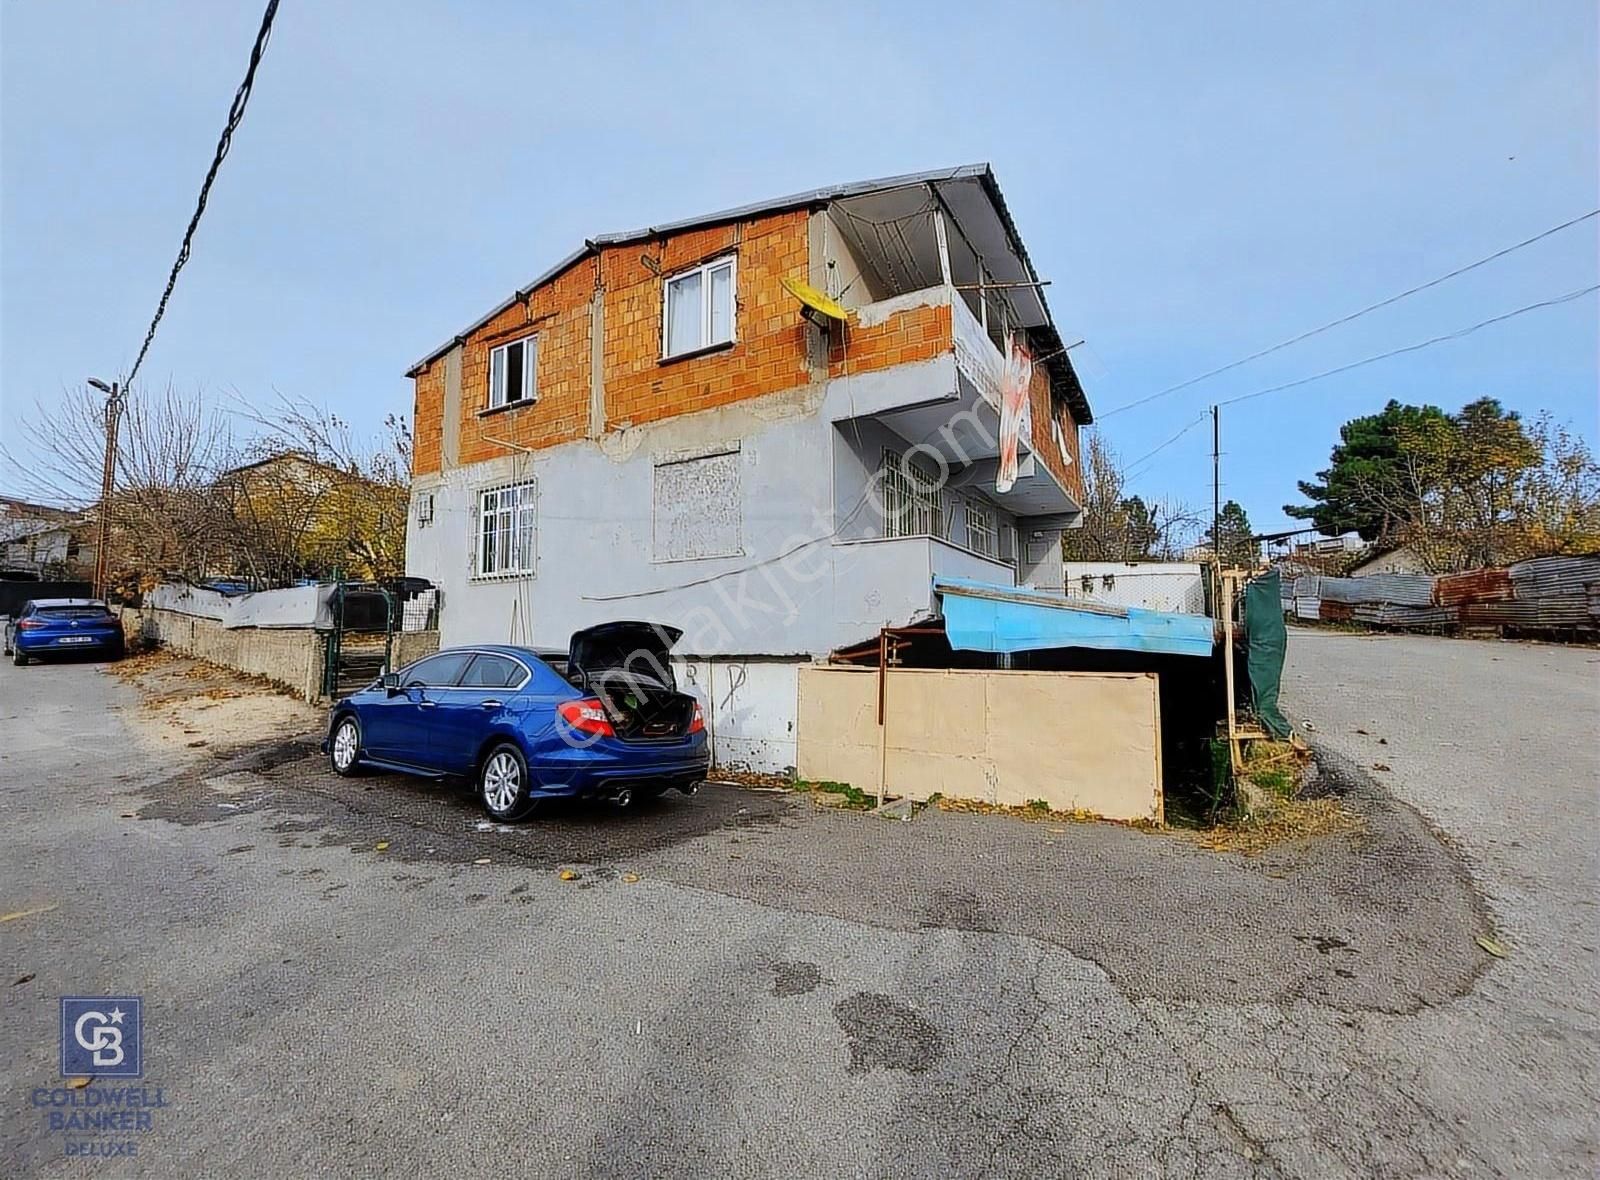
[697,510]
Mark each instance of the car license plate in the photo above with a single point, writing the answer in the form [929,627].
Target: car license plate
[76,639]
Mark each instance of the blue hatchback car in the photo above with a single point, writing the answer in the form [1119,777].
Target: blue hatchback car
[60,626]
[604,719]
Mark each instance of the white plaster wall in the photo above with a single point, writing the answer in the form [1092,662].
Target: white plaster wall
[750,708]
[794,592]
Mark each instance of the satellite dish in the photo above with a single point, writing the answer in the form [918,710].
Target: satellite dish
[816,306]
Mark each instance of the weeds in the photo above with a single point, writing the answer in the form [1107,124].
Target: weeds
[841,794]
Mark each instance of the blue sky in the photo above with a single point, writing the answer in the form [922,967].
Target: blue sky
[1198,182]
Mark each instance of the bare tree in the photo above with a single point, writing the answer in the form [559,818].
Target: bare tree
[171,447]
[1122,527]
[320,497]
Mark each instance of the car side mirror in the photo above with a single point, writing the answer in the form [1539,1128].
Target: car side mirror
[391,682]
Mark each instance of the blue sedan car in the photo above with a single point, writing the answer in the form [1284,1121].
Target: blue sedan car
[61,626]
[609,724]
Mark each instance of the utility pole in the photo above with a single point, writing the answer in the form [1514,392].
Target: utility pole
[1216,486]
[108,480]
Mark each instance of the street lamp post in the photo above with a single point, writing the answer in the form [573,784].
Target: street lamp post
[108,478]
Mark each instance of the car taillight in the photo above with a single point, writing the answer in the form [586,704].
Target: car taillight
[697,723]
[587,716]
[30,624]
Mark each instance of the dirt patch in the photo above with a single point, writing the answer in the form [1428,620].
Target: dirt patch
[188,705]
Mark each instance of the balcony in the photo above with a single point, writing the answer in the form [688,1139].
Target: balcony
[889,582]
[923,367]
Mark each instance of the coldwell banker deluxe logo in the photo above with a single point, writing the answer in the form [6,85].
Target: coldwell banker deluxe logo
[101,1036]
[102,1040]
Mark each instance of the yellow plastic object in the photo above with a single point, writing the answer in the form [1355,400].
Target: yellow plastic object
[815,299]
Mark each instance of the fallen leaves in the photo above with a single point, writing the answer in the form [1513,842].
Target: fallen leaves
[1492,946]
[1289,819]
[381,846]
[630,878]
[78,1083]
[567,875]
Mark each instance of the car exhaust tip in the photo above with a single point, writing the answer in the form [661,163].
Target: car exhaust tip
[624,797]
[690,788]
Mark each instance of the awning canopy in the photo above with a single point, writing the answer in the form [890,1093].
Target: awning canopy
[979,616]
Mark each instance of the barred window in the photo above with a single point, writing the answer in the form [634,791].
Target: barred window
[983,529]
[912,504]
[507,530]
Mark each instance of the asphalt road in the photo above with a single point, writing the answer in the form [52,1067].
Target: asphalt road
[788,991]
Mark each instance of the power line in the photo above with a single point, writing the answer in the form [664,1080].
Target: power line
[241,98]
[1560,299]
[1461,270]
[1127,471]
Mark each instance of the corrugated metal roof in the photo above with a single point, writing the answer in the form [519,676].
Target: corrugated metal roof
[1059,365]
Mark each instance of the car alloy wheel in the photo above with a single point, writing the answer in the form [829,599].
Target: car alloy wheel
[502,781]
[346,746]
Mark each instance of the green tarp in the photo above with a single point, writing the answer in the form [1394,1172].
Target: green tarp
[1269,639]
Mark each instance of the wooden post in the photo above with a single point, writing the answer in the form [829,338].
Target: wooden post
[1227,580]
[883,726]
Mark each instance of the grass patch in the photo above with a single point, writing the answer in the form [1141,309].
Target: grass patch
[837,794]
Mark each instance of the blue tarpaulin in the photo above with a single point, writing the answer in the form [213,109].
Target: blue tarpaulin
[979,616]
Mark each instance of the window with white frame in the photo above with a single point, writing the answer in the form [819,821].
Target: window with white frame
[912,503]
[983,529]
[698,308]
[512,372]
[507,530]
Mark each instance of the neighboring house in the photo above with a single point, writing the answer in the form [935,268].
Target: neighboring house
[658,428]
[39,539]
[1400,560]
[291,516]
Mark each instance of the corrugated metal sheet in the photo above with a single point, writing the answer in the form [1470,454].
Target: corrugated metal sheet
[1336,612]
[1487,585]
[1388,614]
[1308,586]
[1551,613]
[1544,576]
[1400,589]
[1308,608]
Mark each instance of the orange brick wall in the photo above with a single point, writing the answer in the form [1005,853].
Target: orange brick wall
[428,420]
[1044,444]
[768,356]
[769,353]
[559,313]
[915,334]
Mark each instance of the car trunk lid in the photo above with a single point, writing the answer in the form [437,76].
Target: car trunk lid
[628,666]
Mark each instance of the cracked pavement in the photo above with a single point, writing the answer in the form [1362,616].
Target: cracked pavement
[787,991]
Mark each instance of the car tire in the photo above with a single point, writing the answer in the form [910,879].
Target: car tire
[345,758]
[504,783]
[19,659]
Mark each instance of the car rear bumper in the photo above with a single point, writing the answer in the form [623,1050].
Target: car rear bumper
[609,766]
[44,643]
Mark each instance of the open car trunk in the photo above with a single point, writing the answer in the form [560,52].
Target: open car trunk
[628,666]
